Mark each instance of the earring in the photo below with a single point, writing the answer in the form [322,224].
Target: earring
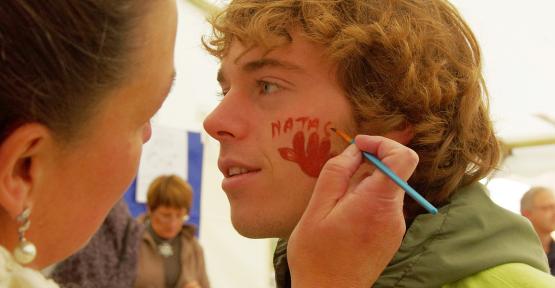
[25,252]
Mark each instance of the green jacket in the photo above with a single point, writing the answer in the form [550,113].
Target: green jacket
[469,235]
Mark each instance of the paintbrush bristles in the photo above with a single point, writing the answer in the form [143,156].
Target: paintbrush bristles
[343,135]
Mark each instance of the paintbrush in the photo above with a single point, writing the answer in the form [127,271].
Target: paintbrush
[389,173]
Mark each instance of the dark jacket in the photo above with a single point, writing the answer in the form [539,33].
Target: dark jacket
[110,257]
[551,257]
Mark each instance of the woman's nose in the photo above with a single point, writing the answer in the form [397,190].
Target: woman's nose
[147,132]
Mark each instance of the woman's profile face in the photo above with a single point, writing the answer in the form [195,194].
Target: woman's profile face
[79,183]
[167,221]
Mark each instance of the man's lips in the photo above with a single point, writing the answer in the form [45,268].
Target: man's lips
[238,173]
[233,168]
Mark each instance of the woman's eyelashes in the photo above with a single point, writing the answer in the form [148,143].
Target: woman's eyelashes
[221,94]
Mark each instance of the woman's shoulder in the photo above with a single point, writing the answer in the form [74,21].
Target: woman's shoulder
[188,234]
[507,276]
[188,230]
[13,275]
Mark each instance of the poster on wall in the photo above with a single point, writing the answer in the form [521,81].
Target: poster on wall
[165,153]
[169,151]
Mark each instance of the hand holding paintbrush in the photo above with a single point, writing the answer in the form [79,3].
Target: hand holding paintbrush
[389,173]
[363,221]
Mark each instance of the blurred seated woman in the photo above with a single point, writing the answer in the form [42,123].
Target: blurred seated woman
[169,254]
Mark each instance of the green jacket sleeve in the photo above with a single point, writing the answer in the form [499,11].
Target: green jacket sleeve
[512,275]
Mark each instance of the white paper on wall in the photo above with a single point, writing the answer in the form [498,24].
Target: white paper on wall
[165,153]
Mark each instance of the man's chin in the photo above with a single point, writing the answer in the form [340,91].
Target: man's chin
[249,230]
[254,228]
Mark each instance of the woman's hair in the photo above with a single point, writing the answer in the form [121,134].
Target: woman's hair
[169,190]
[401,63]
[59,58]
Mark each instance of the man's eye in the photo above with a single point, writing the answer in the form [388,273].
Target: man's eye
[267,87]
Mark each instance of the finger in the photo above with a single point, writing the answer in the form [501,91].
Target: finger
[399,158]
[379,188]
[333,182]
[377,193]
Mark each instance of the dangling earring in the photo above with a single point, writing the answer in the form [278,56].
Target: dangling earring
[25,252]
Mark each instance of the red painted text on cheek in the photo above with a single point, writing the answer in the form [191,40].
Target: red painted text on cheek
[310,154]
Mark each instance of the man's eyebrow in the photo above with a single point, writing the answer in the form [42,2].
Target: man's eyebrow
[269,62]
[262,63]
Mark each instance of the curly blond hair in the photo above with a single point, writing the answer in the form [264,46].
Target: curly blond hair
[400,63]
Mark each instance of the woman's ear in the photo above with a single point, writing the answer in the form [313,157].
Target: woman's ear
[402,135]
[19,166]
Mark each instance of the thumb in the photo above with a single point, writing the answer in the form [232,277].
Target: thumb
[333,183]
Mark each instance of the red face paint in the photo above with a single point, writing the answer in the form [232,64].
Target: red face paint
[311,158]
[298,124]
[310,155]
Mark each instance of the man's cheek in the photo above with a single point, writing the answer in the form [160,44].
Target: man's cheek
[310,146]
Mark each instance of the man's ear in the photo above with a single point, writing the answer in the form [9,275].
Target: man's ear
[402,135]
[19,167]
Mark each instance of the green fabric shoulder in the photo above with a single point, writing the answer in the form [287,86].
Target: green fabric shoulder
[470,234]
[510,275]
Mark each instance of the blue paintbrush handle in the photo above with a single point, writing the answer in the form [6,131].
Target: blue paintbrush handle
[412,193]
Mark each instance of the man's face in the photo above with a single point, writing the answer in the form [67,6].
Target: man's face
[273,127]
[542,213]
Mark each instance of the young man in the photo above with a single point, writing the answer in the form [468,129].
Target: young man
[538,205]
[406,70]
